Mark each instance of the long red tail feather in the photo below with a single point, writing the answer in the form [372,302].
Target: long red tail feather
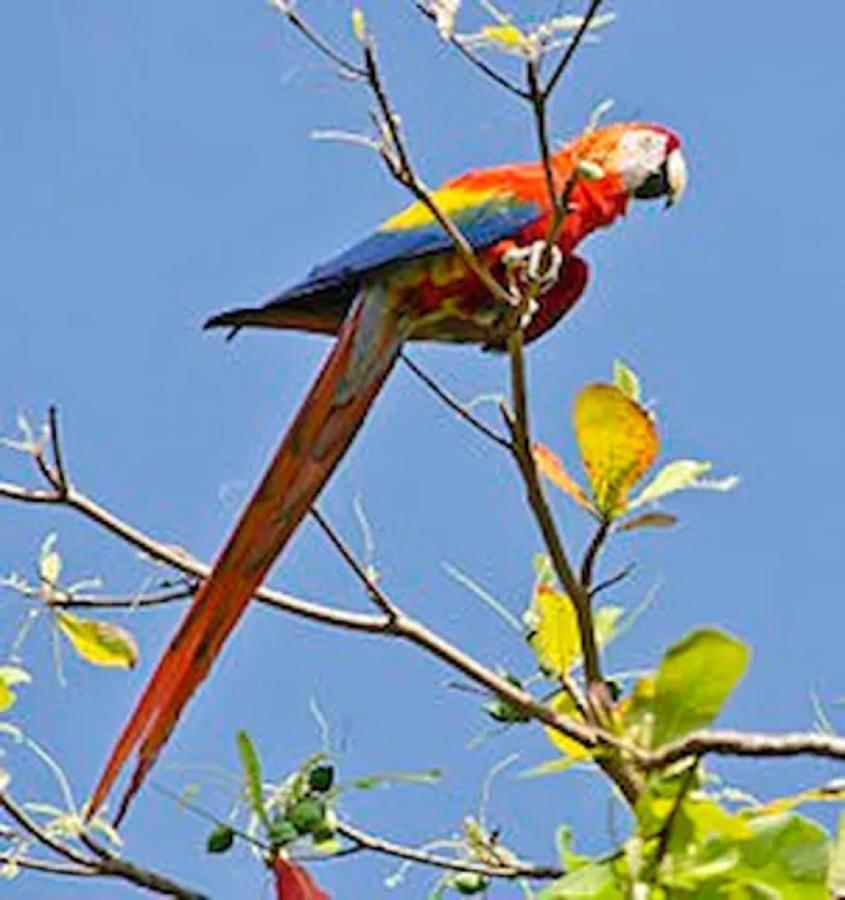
[321,432]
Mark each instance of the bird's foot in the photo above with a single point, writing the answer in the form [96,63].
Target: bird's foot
[539,263]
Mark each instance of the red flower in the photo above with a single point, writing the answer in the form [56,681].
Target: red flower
[294,883]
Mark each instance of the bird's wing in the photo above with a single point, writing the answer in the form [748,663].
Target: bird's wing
[486,213]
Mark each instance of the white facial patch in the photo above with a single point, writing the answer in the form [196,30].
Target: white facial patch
[640,153]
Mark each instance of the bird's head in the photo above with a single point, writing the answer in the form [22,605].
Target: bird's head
[644,159]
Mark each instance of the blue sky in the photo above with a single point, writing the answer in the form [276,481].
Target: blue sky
[157,168]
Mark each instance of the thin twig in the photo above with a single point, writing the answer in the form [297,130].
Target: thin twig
[95,601]
[572,47]
[286,8]
[538,106]
[476,61]
[47,866]
[399,164]
[373,590]
[454,404]
[402,626]
[591,555]
[56,444]
[21,818]
[517,869]
[519,427]
[665,835]
[613,580]
[166,553]
[106,863]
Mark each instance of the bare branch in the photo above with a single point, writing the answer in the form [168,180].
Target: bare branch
[399,164]
[738,743]
[572,47]
[399,626]
[484,67]
[375,592]
[139,601]
[21,818]
[56,444]
[105,863]
[591,555]
[454,404]
[288,10]
[518,869]
[47,866]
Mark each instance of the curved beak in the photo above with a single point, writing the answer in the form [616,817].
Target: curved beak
[677,177]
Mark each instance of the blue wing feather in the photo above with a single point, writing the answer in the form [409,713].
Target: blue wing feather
[483,224]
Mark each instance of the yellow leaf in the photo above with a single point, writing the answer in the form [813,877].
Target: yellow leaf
[359,25]
[833,792]
[99,643]
[10,676]
[505,35]
[564,705]
[618,444]
[549,465]
[556,639]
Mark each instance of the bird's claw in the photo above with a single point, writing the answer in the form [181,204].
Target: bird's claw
[540,263]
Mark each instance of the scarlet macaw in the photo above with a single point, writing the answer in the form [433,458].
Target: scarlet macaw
[404,282]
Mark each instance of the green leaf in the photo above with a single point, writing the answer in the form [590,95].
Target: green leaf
[221,839]
[251,766]
[569,859]
[549,767]
[788,854]
[680,475]
[695,678]
[606,621]
[99,643]
[426,776]
[596,881]
[836,870]
[626,380]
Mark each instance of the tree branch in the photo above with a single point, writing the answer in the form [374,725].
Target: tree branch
[738,743]
[484,67]
[400,625]
[288,10]
[104,863]
[373,590]
[518,869]
[572,47]
[454,404]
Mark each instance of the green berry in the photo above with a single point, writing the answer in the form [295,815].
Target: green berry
[321,778]
[220,840]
